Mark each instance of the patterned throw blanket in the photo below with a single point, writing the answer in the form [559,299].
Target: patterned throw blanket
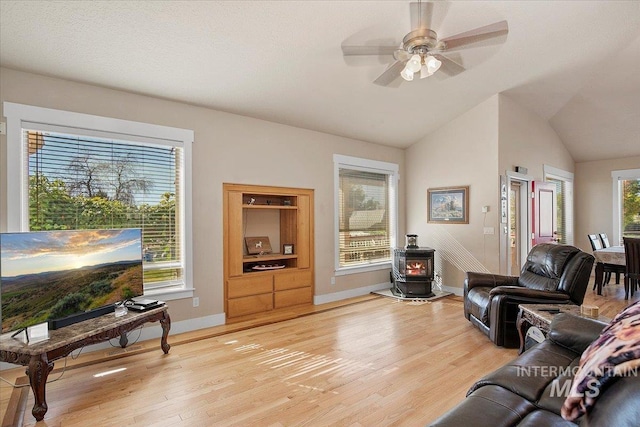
[615,353]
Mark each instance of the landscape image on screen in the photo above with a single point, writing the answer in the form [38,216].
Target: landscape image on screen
[53,274]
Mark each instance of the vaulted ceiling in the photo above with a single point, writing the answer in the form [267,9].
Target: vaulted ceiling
[574,63]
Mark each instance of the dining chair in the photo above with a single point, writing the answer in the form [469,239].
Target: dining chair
[595,241]
[596,244]
[613,268]
[632,258]
[605,240]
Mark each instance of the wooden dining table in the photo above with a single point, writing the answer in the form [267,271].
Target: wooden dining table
[610,255]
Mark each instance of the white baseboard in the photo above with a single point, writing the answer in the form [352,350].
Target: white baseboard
[350,293]
[152,331]
[454,290]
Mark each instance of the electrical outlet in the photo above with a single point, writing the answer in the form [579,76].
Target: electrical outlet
[196,301]
[333,280]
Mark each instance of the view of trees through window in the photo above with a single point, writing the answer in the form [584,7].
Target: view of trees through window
[630,207]
[88,183]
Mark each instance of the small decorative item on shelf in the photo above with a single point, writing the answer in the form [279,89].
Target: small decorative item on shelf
[252,201]
[412,241]
[287,249]
[258,245]
[286,202]
[268,267]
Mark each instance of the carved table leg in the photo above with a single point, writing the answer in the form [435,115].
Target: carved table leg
[165,322]
[599,274]
[38,371]
[124,340]
[522,324]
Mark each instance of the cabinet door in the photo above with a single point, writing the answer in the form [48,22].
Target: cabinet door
[250,305]
[304,231]
[292,280]
[234,241]
[293,297]
[252,285]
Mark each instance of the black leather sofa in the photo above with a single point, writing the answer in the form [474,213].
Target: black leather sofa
[531,389]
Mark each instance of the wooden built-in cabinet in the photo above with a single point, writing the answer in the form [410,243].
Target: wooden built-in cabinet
[286,214]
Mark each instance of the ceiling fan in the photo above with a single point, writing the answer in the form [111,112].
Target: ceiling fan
[421,51]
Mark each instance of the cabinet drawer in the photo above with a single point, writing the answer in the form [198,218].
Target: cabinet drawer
[292,280]
[293,297]
[249,305]
[244,286]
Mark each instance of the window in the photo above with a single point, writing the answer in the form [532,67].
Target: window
[366,213]
[564,193]
[86,172]
[626,204]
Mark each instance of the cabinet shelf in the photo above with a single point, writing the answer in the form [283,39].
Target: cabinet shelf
[269,207]
[270,257]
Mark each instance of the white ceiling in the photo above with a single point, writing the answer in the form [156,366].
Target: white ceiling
[574,63]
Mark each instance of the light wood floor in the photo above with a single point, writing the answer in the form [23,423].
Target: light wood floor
[373,362]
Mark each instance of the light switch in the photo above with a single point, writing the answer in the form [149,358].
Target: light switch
[489,230]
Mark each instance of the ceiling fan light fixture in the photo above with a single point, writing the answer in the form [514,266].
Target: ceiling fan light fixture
[424,72]
[414,63]
[433,64]
[407,74]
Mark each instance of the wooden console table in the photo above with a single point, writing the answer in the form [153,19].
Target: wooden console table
[535,315]
[39,357]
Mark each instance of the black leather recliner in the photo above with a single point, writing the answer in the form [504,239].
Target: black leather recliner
[553,274]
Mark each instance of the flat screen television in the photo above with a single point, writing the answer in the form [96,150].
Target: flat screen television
[50,275]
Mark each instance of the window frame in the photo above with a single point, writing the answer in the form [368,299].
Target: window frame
[373,166]
[617,176]
[20,116]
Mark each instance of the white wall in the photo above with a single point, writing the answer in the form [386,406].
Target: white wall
[463,152]
[594,197]
[227,148]
[528,140]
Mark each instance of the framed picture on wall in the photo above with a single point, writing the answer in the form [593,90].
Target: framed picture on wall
[448,205]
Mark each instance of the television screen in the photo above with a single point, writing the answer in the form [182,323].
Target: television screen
[46,275]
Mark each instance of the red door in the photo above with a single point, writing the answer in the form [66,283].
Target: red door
[544,213]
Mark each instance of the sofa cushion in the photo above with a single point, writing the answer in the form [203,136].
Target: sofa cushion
[530,374]
[619,407]
[498,407]
[615,353]
[479,303]
[556,392]
[544,418]
[545,265]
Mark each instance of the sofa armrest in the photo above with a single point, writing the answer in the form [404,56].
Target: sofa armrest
[528,295]
[573,332]
[488,280]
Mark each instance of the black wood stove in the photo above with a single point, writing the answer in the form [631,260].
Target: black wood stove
[412,273]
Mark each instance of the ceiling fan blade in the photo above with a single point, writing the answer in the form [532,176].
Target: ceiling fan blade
[390,74]
[449,66]
[348,50]
[421,14]
[479,34]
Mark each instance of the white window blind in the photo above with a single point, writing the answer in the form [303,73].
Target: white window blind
[366,215]
[78,182]
[564,193]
